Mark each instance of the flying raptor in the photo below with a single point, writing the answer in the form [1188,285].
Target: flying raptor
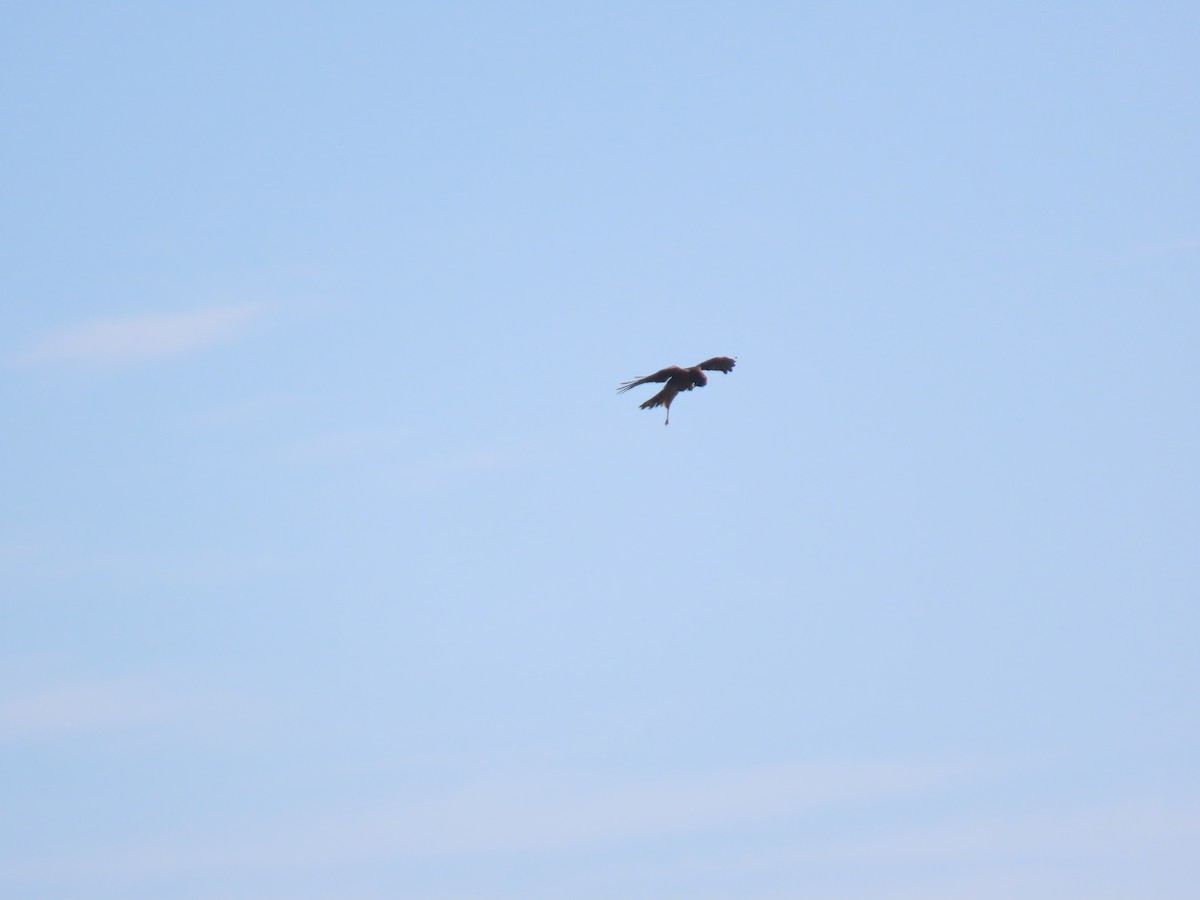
[678,379]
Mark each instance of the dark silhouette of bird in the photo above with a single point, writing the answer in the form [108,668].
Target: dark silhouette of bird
[678,379]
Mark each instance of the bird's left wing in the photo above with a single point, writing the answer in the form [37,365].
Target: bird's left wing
[657,378]
[718,364]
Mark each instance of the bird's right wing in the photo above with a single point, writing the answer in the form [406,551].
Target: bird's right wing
[718,364]
[657,378]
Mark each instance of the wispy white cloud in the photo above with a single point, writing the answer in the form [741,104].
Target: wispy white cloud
[1106,850]
[525,816]
[37,707]
[386,454]
[79,707]
[1183,245]
[1104,828]
[48,559]
[548,814]
[1186,244]
[246,410]
[140,338]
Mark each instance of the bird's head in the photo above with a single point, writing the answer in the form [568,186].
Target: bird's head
[699,379]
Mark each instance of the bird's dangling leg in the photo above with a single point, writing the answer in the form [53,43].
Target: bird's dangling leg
[668,421]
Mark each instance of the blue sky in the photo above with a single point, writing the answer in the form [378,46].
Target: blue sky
[332,565]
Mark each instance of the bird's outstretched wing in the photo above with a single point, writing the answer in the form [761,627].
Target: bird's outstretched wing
[718,364]
[657,378]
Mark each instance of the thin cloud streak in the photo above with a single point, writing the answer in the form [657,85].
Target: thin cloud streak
[79,707]
[1109,829]
[71,711]
[1048,852]
[141,338]
[387,454]
[541,816]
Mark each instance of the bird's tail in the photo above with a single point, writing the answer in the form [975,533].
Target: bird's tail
[662,398]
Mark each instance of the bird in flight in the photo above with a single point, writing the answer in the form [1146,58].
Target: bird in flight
[678,379]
